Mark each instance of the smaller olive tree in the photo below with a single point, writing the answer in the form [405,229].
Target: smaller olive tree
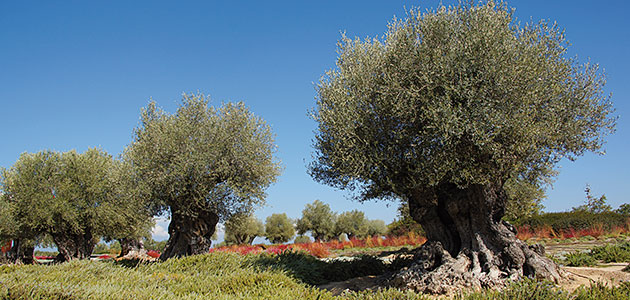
[243,229]
[279,228]
[202,165]
[353,223]
[319,219]
[376,228]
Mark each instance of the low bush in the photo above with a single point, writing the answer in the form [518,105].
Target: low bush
[619,252]
[575,220]
[579,259]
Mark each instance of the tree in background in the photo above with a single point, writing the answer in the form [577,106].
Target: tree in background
[202,164]
[279,228]
[441,112]
[404,223]
[243,229]
[593,204]
[623,209]
[319,219]
[376,228]
[352,223]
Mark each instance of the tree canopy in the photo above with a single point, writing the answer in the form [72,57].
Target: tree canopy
[279,228]
[202,164]
[243,229]
[353,223]
[68,196]
[456,95]
[319,219]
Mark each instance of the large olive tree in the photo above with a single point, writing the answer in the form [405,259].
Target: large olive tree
[441,112]
[202,164]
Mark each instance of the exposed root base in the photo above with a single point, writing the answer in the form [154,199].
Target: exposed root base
[435,271]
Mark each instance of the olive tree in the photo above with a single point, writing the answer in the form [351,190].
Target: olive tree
[352,223]
[441,112]
[279,228]
[202,164]
[64,196]
[243,229]
[127,196]
[319,219]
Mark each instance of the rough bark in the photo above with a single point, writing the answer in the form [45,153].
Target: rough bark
[190,235]
[73,246]
[469,246]
[129,244]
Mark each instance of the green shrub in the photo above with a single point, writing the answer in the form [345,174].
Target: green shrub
[311,270]
[612,253]
[576,220]
[302,239]
[579,259]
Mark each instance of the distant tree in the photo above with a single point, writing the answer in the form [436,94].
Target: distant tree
[352,223]
[302,239]
[151,244]
[623,209]
[279,228]
[243,229]
[202,164]
[441,112]
[376,228]
[319,219]
[593,204]
[404,223]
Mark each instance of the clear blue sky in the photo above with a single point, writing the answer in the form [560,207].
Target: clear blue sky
[75,74]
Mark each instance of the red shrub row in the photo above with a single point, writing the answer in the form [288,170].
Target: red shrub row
[525,232]
[322,249]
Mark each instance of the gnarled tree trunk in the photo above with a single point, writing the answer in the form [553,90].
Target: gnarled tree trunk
[468,243]
[190,235]
[129,244]
[73,246]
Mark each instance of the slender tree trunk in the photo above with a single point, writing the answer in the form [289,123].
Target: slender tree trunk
[468,243]
[73,246]
[129,244]
[190,235]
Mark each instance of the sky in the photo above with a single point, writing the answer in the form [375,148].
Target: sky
[75,74]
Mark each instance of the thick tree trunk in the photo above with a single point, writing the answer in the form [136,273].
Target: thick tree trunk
[468,243]
[190,235]
[128,244]
[73,246]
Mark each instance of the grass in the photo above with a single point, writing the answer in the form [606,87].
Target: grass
[235,276]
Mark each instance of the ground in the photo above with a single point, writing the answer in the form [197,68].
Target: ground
[575,276]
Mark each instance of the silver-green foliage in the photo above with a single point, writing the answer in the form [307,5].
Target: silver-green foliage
[243,229]
[464,94]
[219,159]
[319,219]
[60,193]
[353,223]
[279,228]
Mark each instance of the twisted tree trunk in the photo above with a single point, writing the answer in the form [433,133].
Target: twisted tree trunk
[190,235]
[73,246]
[468,243]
